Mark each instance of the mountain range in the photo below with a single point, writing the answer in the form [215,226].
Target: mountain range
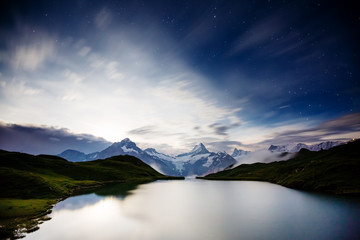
[199,161]
[292,148]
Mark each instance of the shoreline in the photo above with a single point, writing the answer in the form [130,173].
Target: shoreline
[15,226]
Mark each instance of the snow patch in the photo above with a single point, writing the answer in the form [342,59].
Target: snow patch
[179,166]
[192,159]
[160,156]
[125,149]
[209,161]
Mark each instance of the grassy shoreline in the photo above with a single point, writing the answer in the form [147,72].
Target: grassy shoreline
[32,185]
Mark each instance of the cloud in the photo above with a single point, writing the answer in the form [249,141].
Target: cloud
[84,51]
[263,156]
[28,49]
[143,130]
[278,34]
[260,33]
[20,89]
[347,123]
[112,71]
[47,140]
[123,88]
[136,84]
[30,57]
[103,18]
[342,128]
[73,77]
[284,106]
[219,129]
[227,146]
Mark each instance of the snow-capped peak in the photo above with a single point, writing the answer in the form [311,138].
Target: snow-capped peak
[199,149]
[239,153]
[126,146]
[125,141]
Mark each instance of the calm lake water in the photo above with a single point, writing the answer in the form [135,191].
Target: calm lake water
[199,209]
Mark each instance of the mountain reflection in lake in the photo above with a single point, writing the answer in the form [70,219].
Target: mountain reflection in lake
[195,209]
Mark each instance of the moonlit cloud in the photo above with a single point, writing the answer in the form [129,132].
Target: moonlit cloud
[103,18]
[262,32]
[32,56]
[29,49]
[124,87]
[342,128]
[170,76]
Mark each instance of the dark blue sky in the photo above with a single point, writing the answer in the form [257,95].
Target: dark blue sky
[227,73]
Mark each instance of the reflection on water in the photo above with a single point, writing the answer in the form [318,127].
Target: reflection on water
[91,196]
[203,210]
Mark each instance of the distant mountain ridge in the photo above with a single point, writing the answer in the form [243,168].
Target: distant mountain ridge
[199,161]
[297,147]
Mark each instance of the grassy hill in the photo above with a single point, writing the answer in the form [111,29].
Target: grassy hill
[336,170]
[30,185]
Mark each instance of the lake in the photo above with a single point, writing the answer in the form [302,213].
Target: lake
[200,209]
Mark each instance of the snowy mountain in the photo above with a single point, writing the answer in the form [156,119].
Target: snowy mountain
[197,150]
[215,162]
[125,147]
[118,148]
[325,145]
[199,161]
[275,148]
[297,147]
[239,154]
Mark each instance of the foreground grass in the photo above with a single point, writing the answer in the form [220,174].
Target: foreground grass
[30,185]
[335,171]
[13,208]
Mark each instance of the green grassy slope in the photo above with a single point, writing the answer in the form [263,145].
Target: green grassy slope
[26,176]
[30,185]
[336,170]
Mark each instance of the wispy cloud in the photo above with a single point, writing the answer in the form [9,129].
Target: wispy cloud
[342,128]
[118,90]
[28,50]
[261,32]
[142,76]
[103,18]
[145,130]
[263,156]
[276,35]
[219,129]
[227,146]
[30,57]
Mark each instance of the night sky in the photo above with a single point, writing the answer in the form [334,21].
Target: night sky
[171,74]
